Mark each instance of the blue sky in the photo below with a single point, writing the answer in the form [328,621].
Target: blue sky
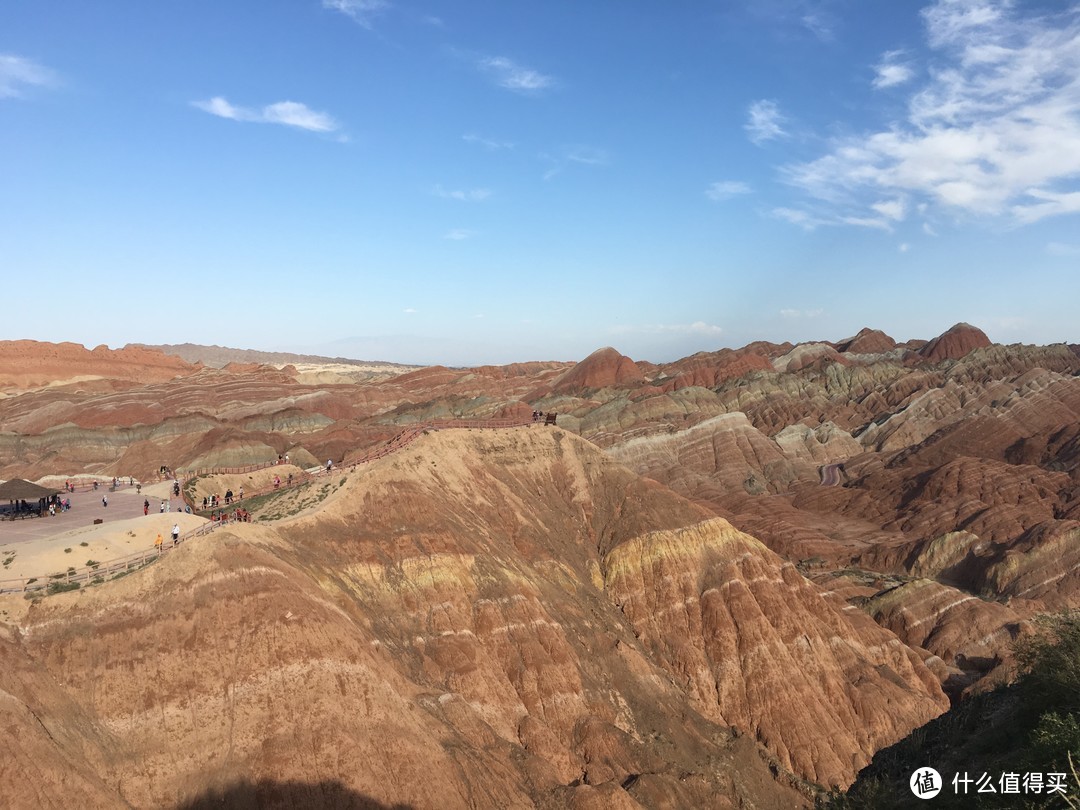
[466,182]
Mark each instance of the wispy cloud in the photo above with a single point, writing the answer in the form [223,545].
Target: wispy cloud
[993,133]
[512,76]
[17,73]
[1062,249]
[801,313]
[363,12]
[465,195]
[458,234]
[892,70]
[764,122]
[695,328]
[287,113]
[487,143]
[574,155]
[409,311]
[726,189]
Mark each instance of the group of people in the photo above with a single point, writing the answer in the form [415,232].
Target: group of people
[238,515]
[213,501]
[175,537]
[546,418]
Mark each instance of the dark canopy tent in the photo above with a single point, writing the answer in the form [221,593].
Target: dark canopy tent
[18,492]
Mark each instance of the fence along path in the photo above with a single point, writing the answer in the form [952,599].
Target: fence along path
[131,562]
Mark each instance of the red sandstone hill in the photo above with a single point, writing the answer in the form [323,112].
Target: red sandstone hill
[868,341]
[960,340]
[959,481]
[32,364]
[603,368]
[487,619]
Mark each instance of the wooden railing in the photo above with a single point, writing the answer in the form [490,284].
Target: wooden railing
[132,562]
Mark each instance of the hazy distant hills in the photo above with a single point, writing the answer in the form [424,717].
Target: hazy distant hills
[220,356]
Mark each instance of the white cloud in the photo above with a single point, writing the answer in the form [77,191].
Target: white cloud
[892,71]
[764,122]
[409,311]
[928,229]
[287,113]
[458,234]
[362,12]
[993,133]
[512,76]
[726,189]
[1062,249]
[18,73]
[695,328]
[801,313]
[465,195]
[487,143]
[892,209]
[903,247]
[295,114]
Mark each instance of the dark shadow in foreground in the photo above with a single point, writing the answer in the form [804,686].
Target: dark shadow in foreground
[267,794]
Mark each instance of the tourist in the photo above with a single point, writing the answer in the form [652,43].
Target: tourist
[329,465]
[105,501]
[175,533]
[158,542]
[286,458]
[145,507]
[241,493]
[162,509]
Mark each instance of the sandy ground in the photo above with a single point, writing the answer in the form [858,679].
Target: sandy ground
[103,543]
[35,547]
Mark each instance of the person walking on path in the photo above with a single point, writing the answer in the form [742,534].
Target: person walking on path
[145,507]
[175,533]
[105,501]
[158,542]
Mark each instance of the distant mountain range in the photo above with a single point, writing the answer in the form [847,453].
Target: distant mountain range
[220,356]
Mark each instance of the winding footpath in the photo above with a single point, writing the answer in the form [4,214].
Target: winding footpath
[120,566]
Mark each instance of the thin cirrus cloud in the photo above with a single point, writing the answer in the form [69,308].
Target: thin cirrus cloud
[764,122]
[286,113]
[508,74]
[18,73]
[726,189]
[488,143]
[695,328]
[464,195]
[892,70]
[573,155]
[459,234]
[1062,249]
[362,12]
[992,134]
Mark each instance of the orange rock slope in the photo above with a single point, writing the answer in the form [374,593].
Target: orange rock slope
[503,618]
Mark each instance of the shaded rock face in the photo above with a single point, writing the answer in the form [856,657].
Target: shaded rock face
[957,342]
[499,619]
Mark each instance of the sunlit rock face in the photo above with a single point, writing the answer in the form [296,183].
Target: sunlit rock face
[803,543]
[506,614]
